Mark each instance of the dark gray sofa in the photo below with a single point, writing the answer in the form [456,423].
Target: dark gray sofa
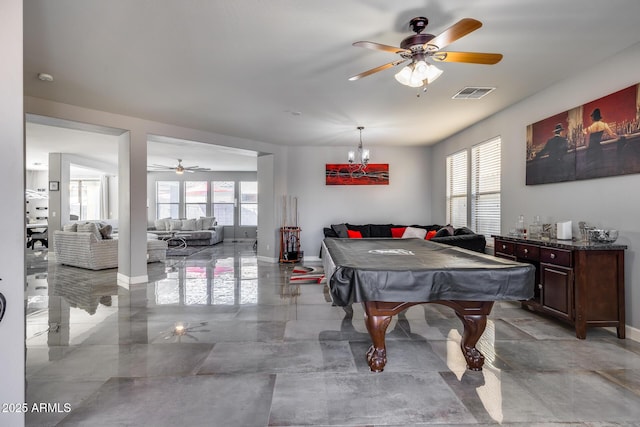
[462,237]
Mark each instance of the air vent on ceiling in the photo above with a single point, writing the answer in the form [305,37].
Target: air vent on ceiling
[473,92]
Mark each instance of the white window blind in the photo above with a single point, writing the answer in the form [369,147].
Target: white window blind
[457,189]
[485,187]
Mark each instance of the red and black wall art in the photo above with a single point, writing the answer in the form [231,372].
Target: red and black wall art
[354,174]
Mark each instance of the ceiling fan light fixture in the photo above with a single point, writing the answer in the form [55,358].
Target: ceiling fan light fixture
[420,70]
[416,81]
[404,75]
[433,73]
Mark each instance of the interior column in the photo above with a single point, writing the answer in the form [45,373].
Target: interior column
[132,208]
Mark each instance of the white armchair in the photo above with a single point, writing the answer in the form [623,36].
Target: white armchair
[85,250]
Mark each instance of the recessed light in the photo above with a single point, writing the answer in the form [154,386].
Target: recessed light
[45,77]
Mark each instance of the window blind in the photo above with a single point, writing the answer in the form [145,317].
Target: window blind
[485,187]
[457,189]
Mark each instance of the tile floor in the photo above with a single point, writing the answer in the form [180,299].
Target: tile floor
[221,339]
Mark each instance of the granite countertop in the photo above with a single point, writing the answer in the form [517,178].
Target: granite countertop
[565,244]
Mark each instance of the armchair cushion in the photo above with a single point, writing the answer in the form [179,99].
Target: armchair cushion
[105,231]
[340,230]
[410,232]
[365,230]
[89,227]
[397,232]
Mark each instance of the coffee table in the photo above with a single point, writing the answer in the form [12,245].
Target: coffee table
[173,236]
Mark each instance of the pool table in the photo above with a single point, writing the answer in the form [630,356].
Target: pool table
[389,275]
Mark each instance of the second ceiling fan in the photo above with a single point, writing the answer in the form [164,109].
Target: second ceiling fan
[179,168]
[419,47]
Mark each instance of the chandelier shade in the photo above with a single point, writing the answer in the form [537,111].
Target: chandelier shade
[361,155]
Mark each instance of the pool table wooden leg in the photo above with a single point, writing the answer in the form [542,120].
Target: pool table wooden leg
[474,319]
[377,353]
[377,316]
[473,314]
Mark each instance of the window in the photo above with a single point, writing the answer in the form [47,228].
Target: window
[195,199]
[485,187]
[248,203]
[84,198]
[223,201]
[167,199]
[457,189]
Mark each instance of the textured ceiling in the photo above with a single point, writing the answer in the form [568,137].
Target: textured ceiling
[276,71]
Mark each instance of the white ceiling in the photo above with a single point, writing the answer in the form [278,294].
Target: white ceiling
[276,71]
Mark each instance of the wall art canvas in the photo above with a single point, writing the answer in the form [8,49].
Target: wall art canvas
[351,174]
[597,139]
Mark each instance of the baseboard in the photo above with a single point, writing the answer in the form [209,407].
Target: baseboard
[124,281]
[267,259]
[632,333]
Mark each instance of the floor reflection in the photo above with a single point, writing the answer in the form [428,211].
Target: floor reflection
[220,336]
[221,281]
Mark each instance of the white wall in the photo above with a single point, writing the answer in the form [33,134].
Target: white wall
[406,200]
[607,202]
[12,286]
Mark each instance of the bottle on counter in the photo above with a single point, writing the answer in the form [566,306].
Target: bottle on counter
[535,229]
[521,227]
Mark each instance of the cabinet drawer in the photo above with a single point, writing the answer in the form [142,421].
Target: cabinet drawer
[556,256]
[529,252]
[506,248]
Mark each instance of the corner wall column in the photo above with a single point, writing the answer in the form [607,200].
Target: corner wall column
[132,208]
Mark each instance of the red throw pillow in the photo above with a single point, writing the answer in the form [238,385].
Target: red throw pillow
[354,234]
[397,232]
[430,235]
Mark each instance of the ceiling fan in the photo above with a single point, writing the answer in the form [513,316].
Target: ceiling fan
[179,168]
[419,47]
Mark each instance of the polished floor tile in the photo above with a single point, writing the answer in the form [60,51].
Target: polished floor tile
[222,339]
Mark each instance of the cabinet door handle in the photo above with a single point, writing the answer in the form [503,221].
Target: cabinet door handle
[540,286]
[552,256]
[526,251]
[504,246]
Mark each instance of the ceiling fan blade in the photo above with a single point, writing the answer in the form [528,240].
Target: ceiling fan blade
[378,46]
[453,33]
[468,57]
[375,70]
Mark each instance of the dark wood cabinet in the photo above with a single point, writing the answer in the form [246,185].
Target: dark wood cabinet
[578,282]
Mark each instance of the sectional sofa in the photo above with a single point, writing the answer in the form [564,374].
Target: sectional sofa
[462,237]
[203,231]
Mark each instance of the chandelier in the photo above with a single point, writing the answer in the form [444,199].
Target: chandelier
[361,156]
[418,73]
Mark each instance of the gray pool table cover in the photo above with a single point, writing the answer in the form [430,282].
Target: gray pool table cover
[417,270]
